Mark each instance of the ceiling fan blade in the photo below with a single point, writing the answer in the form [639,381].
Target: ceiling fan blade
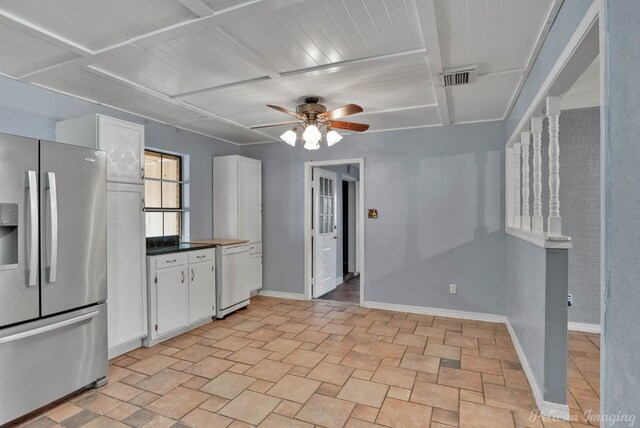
[351,126]
[275,124]
[285,111]
[339,112]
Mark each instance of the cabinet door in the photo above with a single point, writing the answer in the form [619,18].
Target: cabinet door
[172,299]
[124,144]
[202,282]
[255,269]
[126,273]
[249,199]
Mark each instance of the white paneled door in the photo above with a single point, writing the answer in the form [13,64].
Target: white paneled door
[325,233]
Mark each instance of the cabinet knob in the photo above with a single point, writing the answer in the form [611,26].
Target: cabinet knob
[192,275]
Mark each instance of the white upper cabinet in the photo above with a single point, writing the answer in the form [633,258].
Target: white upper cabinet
[237,198]
[123,141]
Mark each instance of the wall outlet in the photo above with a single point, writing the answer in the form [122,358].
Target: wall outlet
[570,300]
[453,289]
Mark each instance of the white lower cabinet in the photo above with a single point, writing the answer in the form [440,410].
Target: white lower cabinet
[181,293]
[255,271]
[126,276]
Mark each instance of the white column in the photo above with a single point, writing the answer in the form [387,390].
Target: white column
[537,221]
[525,138]
[517,219]
[554,221]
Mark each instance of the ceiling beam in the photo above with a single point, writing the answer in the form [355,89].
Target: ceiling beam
[429,25]
[198,7]
[251,56]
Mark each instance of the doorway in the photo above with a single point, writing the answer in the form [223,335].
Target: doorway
[333,235]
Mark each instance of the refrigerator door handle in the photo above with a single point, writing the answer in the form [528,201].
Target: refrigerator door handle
[33,218]
[41,330]
[53,198]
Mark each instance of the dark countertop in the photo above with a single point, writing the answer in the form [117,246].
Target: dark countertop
[166,249]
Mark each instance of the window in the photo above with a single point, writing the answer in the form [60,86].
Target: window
[163,190]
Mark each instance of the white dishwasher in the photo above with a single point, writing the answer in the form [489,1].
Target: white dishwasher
[232,278]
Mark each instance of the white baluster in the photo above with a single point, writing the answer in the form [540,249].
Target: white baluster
[517,219]
[554,221]
[525,138]
[537,221]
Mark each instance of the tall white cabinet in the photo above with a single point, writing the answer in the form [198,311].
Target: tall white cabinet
[126,247]
[237,207]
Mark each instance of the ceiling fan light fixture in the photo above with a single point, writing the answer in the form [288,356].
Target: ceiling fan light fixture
[290,137]
[311,133]
[312,144]
[333,137]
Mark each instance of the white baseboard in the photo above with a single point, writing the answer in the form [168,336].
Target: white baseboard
[281,294]
[123,348]
[449,313]
[548,409]
[584,327]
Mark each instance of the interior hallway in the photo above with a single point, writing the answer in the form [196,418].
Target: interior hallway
[286,363]
[348,291]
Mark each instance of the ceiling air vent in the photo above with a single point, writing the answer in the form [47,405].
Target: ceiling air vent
[459,76]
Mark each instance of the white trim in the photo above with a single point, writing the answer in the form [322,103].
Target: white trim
[125,347]
[448,313]
[281,294]
[308,166]
[339,280]
[548,409]
[581,31]
[585,327]
[544,241]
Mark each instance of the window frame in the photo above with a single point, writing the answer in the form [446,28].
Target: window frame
[183,186]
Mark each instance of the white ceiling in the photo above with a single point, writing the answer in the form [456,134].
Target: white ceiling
[210,66]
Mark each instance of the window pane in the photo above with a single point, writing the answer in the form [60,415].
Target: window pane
[170,195]
[152,196]
[152,164]
[171,224]
[153,224]
[170,167]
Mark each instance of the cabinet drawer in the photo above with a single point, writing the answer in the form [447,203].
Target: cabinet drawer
[202,256]
[255,248]
[170,260]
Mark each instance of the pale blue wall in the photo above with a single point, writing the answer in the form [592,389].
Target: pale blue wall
[32,112]
[620,123]
[438,192]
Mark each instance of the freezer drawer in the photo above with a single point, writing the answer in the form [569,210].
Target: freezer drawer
[47,359]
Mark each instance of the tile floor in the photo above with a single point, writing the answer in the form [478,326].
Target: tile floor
[348,291]
[284,363]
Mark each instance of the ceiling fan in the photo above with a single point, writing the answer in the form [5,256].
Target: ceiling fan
[313,116]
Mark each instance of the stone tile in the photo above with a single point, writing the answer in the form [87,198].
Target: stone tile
[454,364]
[361,360]
[446,417]
[294,388]
[79,419]
[264,335]
[178,402]
[163,382]
[331,373]
[250,407]
[301,357]
[218,333]
[326,411]
[362,374]
[382,349]
[228,385]
[261,386]
[359,423]
[98,403]
[214,404]
[104,422]
[232,343]
[248,326]
[64,412]
[366,413]
[395,376]
[210,367]
[271,371]
[194,353]
[508,398]
[383,330]
[249,355]
[403,414]
[278,421]
[329,389]
[442,351]
[460,378]
[474,415]
[275,320]
[477,332]
[42,422]
[421,363]
[430,331]
[121,391]
[363,392]
[454,339]
[473,396]
[291,327]
[139,418]
[144,399]
[334,347]
[415,340]
[310,336]
[202,418]
[283,346]
[122,411]
[153,364]
[481,364]
[435,395]
[338,329]
[288,408]
[399,393]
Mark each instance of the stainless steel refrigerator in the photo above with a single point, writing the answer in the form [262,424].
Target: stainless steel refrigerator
[53,274]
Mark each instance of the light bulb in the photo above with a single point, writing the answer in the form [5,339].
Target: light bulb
[311,133]
[312,144]
[333,137]
[289,137]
